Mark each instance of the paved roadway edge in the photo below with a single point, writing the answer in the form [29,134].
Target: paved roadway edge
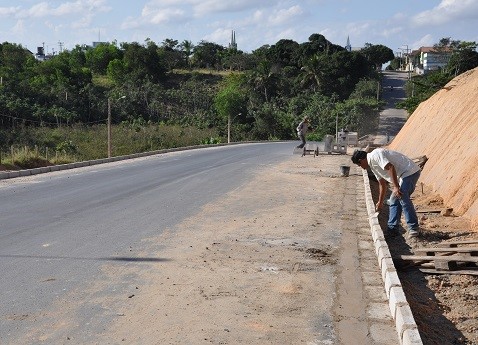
[27,172]
[399,308]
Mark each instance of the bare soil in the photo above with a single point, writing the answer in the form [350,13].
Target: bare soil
[444,129]
[445,306]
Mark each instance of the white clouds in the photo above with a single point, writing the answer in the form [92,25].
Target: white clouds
[447,11]
[283,16]
[425,41]
[79,7]
[8,11]
[167,15]
[277,17]
[256,22]
[219,35]
[205,7]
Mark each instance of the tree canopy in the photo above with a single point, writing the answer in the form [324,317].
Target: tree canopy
[201,85]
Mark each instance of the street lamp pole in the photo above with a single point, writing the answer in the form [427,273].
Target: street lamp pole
[109,124]
[109,127]
[407,60]
[228,128]
[229,121]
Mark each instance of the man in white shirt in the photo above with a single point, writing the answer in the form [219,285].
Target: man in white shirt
[402,173]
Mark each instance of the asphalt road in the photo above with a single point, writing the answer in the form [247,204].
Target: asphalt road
[58,229]
[391,119]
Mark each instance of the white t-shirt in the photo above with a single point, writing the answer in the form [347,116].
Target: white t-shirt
[379,158]
[302,128]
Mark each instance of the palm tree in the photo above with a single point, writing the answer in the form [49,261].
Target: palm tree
[312,73]
[264,79]
[187,49]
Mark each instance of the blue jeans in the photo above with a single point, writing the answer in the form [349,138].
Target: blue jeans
[396,206]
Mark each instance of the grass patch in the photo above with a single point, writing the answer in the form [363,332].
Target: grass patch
[40,147]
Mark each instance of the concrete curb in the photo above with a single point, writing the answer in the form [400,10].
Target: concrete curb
[399,308]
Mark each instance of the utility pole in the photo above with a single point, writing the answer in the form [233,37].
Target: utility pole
[109,124]
[228,128]
[109,127]
[407,60]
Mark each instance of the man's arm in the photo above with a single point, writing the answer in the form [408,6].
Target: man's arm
[393,176]
[382,190]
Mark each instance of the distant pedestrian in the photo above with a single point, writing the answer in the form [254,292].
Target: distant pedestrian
[302,130]
[402,173]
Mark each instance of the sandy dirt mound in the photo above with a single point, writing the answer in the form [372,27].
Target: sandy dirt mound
[444,128]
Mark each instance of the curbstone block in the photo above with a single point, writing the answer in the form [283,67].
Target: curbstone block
[377,235]
[383,252]
[380,244]
[391,280]
[386,265]
[35,171]
[404,319]
[396,299]
[411,337]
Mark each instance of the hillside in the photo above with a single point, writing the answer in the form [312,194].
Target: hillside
[445,129]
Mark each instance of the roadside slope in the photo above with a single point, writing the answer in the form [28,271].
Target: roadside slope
[444,128]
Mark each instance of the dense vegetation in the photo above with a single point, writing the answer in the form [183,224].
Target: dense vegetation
[159,93]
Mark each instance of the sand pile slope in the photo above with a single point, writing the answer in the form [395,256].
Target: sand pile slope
[445,129]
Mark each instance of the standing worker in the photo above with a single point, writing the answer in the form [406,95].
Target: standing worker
[402,173]
[302,130]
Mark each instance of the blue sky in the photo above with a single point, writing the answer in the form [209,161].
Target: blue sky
[396,24]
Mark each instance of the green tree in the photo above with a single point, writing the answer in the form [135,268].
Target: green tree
[313,72]
[170,54]
[143,62]
[187,50]
[264,80]
[99,57]
[377,54]
[207,55]
[284,53]
[463,59]
[230,99]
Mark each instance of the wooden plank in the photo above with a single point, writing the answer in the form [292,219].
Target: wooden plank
[455,258]
[473,251]
[443,263]
[457,243]
[434,271]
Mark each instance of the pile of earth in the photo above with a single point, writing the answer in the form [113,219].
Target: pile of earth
[444,128]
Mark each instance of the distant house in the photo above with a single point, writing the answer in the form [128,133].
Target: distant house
[427,59]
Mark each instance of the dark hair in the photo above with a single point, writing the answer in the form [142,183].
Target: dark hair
[358,155]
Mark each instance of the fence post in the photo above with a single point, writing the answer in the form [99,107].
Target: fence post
[46,153]
[13,155]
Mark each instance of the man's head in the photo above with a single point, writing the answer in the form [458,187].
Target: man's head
[360,158]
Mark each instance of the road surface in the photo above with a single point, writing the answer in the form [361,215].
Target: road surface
[241,244]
